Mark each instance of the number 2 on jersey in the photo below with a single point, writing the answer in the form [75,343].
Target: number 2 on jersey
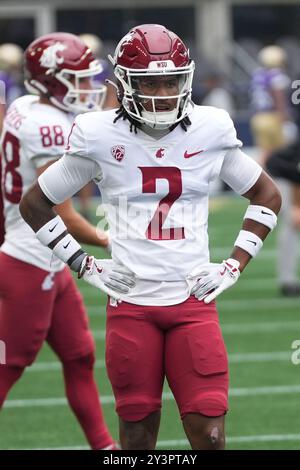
[155,230]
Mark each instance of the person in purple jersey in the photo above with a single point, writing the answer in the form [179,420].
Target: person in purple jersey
[273,130]
[271,124]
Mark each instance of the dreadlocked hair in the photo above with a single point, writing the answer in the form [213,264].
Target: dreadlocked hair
[122,114]
[135,125]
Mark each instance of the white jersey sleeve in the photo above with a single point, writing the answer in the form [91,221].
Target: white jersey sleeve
[230,139]
[67,176]
[225,138]
[77,143]
[239,171]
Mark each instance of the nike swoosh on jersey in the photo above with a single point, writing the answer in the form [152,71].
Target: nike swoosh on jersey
[51,229]
[189,155]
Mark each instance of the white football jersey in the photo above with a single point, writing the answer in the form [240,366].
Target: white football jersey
[156,194]
[33,134]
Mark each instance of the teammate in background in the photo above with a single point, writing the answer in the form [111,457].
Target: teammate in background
[273,130]
[39,298]
[154,159]
[284,165]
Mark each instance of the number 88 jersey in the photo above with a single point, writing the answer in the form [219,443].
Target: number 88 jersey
[33,135]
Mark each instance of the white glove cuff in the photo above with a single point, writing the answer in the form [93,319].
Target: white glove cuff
[249,242]
[51,230]
[262,214]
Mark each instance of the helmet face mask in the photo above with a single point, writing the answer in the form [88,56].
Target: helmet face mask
[170,65]
[83,93]
[60,67]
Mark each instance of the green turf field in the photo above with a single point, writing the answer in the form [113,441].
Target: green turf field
[259,327]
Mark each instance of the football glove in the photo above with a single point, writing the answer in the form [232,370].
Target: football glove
[214,279]
[112,278]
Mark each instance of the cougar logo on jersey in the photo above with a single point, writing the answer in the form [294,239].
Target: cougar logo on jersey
[49,58]
[118,152]
[160,153]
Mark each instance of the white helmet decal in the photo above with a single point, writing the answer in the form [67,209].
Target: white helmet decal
[49,58]
[127,39]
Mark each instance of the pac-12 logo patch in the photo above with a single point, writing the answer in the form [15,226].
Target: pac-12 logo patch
[118,152]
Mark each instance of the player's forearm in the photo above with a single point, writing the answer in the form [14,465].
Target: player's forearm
[35,208]
[50,229]
[83,231]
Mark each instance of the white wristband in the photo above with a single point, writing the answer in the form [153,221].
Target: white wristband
[66,248]
[51,230]
[249,242]
[262,214]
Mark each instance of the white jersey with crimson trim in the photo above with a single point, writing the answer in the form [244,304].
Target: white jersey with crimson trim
[156,195]
[33,135]
[155,192]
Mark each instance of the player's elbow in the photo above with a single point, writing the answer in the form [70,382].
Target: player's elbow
[265,193]
[277,199]
[272,195]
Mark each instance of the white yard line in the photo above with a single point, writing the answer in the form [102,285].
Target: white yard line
[109,399]
[274,356]
[174,443]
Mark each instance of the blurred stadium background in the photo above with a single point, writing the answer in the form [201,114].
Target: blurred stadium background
[259,326]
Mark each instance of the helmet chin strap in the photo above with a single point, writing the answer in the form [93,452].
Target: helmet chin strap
[159,120]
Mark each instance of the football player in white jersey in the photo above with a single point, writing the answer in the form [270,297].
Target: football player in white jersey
[154,159]
[38,297]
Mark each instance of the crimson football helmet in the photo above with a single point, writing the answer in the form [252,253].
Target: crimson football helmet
[61,67]
[152,50]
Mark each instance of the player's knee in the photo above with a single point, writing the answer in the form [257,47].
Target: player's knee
[87,361]
[83,362]
[140,435]
[9,376]
[210,438]
[137,439]
[215,438]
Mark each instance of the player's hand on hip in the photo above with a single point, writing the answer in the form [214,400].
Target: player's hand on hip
[214,279]
[105,274]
